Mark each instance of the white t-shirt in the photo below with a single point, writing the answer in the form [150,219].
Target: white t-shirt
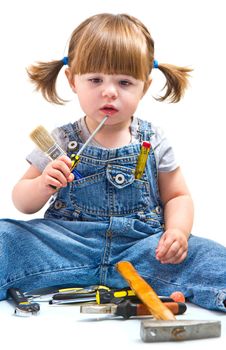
[165,159]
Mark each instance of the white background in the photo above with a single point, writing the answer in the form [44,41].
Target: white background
[188,32]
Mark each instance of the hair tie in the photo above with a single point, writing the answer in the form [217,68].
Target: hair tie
[65,61]
[155,64]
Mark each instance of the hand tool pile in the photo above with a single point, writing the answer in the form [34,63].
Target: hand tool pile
[92,299]
[137,300]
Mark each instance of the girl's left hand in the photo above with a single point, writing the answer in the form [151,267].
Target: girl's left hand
[172,247]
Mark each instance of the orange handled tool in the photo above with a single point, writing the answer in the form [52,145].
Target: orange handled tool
[144,291]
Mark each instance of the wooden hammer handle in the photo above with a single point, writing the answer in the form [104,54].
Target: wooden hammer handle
[144,291]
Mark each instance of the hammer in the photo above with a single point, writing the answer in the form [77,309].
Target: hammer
[166,327]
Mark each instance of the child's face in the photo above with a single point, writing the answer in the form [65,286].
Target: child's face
[100,94]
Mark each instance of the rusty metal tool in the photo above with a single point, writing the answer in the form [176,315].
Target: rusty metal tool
[161,331]
[127,309]
[166,327]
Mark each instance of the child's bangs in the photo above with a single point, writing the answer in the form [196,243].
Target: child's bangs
[113,53]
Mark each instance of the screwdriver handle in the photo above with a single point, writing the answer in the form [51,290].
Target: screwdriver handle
[116,296]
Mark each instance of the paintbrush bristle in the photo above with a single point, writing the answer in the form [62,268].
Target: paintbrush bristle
[46,142]
[42,138]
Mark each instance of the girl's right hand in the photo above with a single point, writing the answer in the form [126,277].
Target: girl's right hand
[57,173]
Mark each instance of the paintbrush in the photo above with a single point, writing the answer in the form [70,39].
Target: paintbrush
[49,146]
[46,143]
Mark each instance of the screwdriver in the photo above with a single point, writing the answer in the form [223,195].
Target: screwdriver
[102,295]
[142,159]
[76,157]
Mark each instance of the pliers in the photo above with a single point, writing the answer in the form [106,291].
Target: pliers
[127,309]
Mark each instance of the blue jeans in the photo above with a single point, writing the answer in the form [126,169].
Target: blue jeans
[40,253]
[104,217]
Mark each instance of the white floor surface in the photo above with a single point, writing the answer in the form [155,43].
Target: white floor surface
[64,327]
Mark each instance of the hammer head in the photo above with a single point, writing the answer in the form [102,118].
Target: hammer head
[161,331]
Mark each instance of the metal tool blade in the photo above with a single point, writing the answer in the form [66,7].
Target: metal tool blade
[92,135]
[161,331]
[21,312]
[98,309]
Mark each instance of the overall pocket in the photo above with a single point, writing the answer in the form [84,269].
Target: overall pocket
[112,191]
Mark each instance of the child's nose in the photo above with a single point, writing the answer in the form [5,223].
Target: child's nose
[110,91]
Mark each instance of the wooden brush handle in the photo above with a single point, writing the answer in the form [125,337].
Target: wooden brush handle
[144,291]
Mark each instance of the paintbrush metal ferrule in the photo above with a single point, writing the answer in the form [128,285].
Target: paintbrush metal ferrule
[55,151]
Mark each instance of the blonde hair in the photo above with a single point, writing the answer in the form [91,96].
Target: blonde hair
[110,44]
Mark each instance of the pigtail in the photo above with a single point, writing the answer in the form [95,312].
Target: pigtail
[176,82]
[44,75]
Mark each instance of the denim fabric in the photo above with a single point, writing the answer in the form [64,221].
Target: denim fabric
[105,217]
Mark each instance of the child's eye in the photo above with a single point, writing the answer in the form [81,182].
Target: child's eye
[95,80]
[125,82]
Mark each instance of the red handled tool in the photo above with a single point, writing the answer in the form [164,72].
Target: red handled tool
[127,309]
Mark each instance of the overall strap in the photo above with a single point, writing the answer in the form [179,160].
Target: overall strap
[144,130]
[72,132]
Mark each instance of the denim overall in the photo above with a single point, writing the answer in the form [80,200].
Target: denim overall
[104,217]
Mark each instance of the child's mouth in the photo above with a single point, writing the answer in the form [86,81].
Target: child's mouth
[109,110]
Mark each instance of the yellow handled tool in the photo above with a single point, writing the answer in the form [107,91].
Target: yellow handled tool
[142,159]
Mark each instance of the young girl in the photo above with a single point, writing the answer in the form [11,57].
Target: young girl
[107,214]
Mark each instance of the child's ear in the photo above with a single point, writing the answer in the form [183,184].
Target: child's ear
[147,83]
[70,79]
